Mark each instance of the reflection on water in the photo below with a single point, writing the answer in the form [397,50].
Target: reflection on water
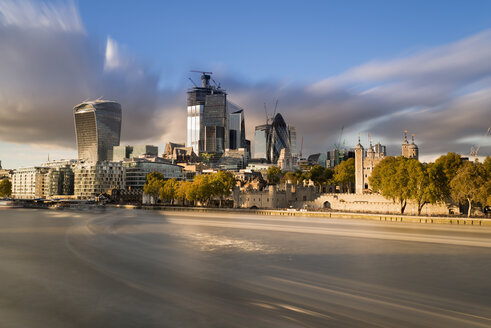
[210,242]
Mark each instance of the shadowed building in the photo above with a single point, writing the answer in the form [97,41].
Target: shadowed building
[280,138]
[98,129]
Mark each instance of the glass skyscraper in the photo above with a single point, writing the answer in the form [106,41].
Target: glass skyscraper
[280,137]
[98,129]
[262,141]
[270,139]
[207,118]
[236,127]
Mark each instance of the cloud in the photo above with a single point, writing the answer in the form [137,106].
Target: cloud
[441,94]
[49,64]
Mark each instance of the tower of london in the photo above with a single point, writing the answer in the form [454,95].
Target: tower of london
[365,161]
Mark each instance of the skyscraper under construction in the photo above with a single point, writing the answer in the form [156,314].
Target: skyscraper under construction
[207,118]
[98,129]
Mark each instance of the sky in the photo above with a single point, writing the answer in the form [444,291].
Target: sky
[361,67]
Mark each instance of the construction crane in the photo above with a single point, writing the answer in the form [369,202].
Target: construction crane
[202,72]
[190,79]
[475,149]
[275,108]
[266,112]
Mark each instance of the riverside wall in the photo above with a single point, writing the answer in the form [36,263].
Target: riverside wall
[477,222]
[373,203]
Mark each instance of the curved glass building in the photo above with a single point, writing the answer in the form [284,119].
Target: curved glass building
[98,129]
[279,138]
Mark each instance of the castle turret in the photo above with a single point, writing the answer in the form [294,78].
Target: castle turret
[405,145]
[413,151]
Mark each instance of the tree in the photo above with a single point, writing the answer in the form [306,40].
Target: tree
[344,173]
[168,191]
[487,185]
[391,177]
[154,182]
[202,188]
[442,172]
[206,157]
[152,187]
[222,183]
[469,185]
[420,185]
[154,176]
[182,189]
[5,188]
[273,174]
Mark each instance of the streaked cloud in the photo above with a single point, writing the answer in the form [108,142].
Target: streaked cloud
[49,64]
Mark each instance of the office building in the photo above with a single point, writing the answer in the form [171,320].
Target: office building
[237,137]
[98,129]
[293,141]
[94,179]
[136,170]
[262,141]
[121,153]
[28,182]
[270,139]
[207,118]
[280,138]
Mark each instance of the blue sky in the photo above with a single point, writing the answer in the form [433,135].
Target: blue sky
[297,41]
[376,67]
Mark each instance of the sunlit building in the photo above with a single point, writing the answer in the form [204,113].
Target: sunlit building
[207,118]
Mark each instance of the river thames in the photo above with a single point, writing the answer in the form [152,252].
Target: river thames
[136,268]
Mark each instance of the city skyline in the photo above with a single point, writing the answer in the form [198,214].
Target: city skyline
[59,55]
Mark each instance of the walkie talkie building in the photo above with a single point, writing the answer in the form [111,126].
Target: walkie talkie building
[98,129]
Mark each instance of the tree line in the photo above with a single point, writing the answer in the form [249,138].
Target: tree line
[202,189]
[450,179]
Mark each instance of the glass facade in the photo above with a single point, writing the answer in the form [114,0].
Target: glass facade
[98,129]
[236,128]
[207,118]
[194,131]
[293,140]
[280,137]
[261,141]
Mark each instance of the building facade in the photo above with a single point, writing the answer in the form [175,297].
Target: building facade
[262,141]
[136,171]
[98,129]
[121,153]
[93,179]
[207,118]
[28,182]
[365,161]
[237,137]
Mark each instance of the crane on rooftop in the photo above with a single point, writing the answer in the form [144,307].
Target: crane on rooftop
[205,78]
[475,149]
